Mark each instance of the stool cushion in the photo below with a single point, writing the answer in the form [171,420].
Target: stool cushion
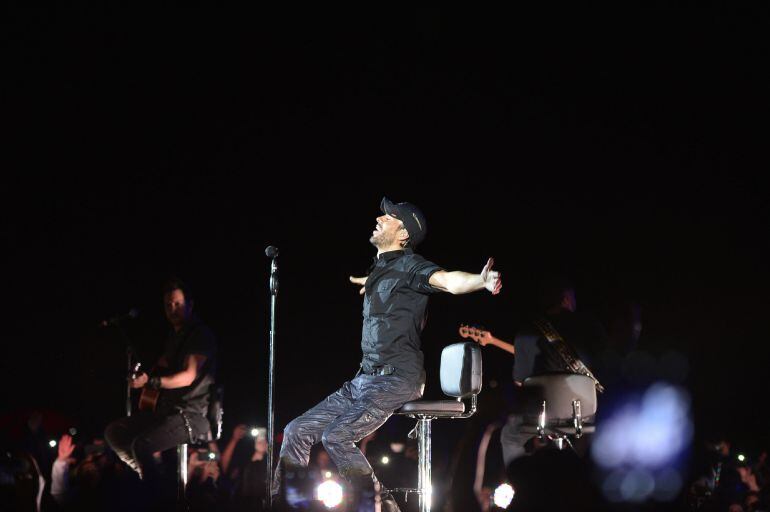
[438,408]
[559,390]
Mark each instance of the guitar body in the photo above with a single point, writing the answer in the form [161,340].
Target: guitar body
[148,399]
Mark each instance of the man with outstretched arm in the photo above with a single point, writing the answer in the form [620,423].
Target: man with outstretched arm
[391,373]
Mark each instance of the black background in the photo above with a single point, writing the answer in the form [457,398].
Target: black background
[615,145]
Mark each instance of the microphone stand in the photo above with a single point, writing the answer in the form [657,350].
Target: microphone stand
[271,252]
[130,359]
[130,365]
[117,322]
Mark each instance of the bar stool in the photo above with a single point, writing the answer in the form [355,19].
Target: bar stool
[566,407]
[214,415]
[461,379]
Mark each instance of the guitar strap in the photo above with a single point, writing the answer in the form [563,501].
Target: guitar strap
[568,354]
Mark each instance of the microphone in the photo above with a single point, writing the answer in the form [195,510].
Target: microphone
[272,252]
[115,320]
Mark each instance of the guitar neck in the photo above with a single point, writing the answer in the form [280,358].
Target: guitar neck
[501,344]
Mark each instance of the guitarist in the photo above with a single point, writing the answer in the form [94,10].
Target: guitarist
[536,355]
[183,376]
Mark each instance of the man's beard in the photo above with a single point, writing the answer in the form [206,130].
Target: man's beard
[380,240]
[177,319]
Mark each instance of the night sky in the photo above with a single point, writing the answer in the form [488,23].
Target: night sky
[613,147]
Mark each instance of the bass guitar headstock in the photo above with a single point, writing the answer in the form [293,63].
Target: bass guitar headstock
[480,336]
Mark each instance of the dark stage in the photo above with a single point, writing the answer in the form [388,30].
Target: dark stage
[622,148]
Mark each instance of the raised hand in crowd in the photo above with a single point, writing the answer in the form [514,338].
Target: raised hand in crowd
[66,447]
[239,432]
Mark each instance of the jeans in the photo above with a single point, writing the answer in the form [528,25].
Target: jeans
[343,418]
[135,438]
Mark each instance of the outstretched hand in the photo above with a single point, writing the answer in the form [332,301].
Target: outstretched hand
[492,278]
[361,281]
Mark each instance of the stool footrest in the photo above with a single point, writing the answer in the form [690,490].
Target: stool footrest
[558,429]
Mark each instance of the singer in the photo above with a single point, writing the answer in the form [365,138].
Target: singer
[175,398]
[391,373]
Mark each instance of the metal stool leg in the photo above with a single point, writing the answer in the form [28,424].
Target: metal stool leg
[181,472]
[423,480]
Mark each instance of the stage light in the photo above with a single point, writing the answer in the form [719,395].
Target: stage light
[329,493]
[741,457]
[648,433]
[611,485]
[637,486]
[503,495]
[327,474]
[212,456]
[254,432]
[52,443]
[385,459]
[641,444]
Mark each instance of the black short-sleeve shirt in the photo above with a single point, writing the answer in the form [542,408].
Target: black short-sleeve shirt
[193,338]
[394,313]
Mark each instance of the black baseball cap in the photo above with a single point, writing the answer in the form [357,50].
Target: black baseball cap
[410,215]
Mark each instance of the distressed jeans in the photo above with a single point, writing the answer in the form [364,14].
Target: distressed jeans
[134,439]
[343,418]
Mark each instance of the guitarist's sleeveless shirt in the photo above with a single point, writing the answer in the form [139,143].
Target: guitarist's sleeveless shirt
[193,338]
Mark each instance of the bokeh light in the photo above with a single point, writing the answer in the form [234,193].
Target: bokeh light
[503,495]
[330,493]
[641,445]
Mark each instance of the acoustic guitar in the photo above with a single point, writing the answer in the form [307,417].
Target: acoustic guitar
[148,398]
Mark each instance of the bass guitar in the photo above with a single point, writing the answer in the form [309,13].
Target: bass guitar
[485,338]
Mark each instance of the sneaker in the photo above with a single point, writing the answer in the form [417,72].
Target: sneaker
[388,502]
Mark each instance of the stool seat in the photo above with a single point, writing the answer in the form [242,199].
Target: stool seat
[460,378]
[567,407]
[437,408]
